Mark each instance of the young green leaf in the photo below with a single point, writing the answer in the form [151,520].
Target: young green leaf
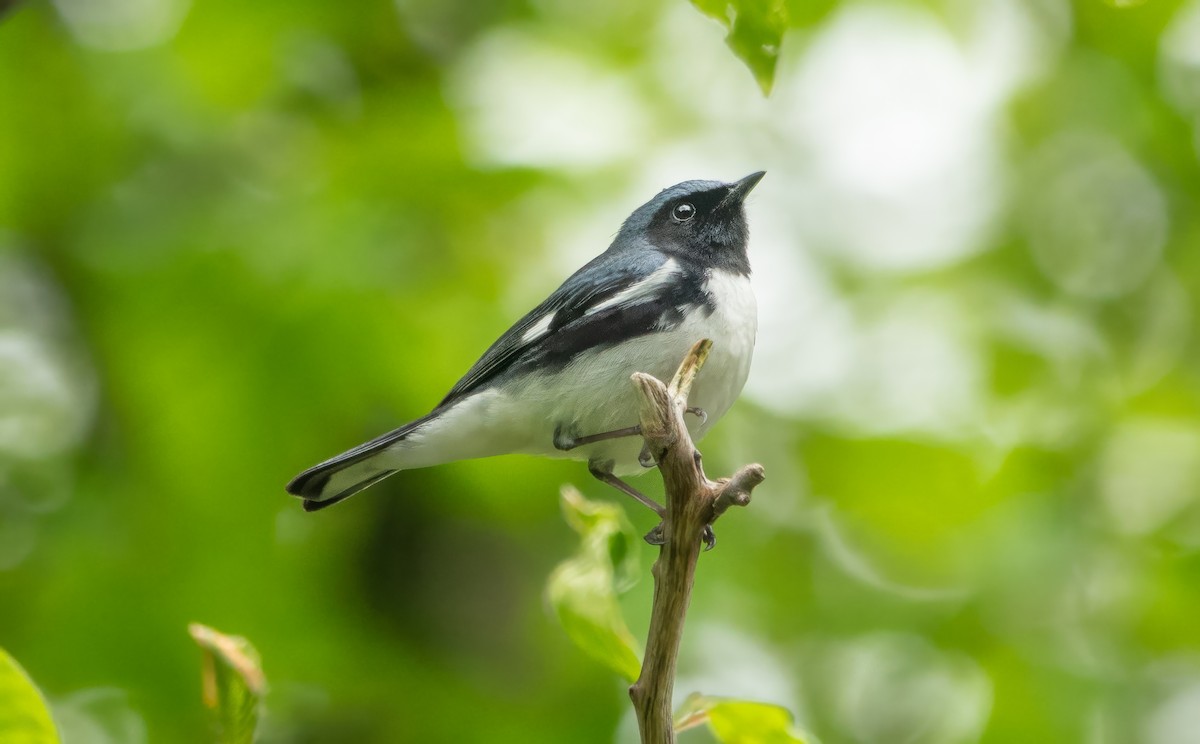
[739,721]
[233,683]
[583,589]
[755,32]
[24,717]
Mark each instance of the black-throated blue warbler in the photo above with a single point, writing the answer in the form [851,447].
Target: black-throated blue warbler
[557,382]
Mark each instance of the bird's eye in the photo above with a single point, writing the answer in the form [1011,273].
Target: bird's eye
[683,212]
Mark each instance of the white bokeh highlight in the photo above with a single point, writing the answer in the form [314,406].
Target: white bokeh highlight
[527,101]
[1149,472]
[893,687]
[1095,218]
[123,25]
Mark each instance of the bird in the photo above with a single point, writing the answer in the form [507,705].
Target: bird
[557,383]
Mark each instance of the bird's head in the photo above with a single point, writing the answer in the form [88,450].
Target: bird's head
[696,221]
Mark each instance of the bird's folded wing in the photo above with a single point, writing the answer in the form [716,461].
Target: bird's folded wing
[604,301]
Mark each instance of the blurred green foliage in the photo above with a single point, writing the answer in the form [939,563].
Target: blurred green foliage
[737,721]
[24,717]
[583,589]
[755,32]
[236,238]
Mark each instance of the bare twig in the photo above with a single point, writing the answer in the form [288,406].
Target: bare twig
[693,503]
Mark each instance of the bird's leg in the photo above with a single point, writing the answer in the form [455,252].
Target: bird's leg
[565,441]
[602,473]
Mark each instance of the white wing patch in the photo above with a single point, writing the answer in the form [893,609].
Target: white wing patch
[644,289]
[538,329]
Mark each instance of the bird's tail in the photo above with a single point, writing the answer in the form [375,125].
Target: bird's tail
[341,477]
[328,483]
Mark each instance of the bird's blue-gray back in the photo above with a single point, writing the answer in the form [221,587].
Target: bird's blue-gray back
[570,328]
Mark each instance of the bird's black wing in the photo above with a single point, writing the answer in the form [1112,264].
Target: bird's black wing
[600,280]
[573,318]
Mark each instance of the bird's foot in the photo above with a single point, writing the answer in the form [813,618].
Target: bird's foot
[645,459]
[699,413]
[656,536]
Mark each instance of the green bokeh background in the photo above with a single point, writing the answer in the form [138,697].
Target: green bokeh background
[236,238]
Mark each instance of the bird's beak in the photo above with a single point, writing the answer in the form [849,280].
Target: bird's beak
[739,189]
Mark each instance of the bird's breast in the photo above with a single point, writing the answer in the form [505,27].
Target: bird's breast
[594,393]
[732,325]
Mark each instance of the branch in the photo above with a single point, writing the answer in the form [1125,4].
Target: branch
[693,503]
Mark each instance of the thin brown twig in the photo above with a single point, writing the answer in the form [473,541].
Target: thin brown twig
[693,502]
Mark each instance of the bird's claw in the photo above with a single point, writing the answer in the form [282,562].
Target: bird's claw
[645,458]
[699,413]
[656,536]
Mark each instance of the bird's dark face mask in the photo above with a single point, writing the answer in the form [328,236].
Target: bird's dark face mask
[707,225]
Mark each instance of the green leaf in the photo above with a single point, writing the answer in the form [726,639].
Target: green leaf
[233,683]
[24,716]
[739,721]
[583,589]
[755,32]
